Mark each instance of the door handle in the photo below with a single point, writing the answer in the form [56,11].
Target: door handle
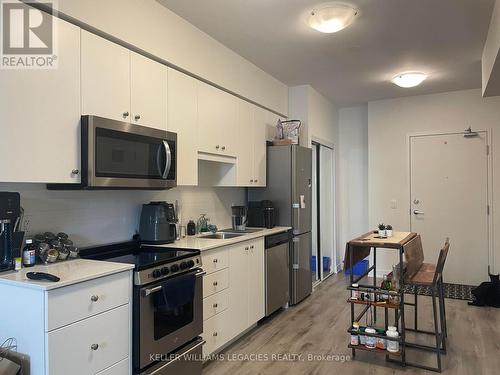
[168,159]
[147,292]
[418,212]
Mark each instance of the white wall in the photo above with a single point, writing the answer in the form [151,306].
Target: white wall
[101,217]
[353,173]
[490,61]
[389,123]
[152,27]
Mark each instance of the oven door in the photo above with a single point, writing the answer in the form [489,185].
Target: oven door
[186,361]
[121,155]
[167,315]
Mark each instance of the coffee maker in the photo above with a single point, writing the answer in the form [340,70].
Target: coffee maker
[10,212]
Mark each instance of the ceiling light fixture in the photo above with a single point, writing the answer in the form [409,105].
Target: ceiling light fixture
[332,17]
[409,79]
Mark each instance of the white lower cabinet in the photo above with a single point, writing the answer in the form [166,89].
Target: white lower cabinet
[120,368]
[90,345]
[237,301]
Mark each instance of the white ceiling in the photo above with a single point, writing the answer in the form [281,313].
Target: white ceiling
[443,38]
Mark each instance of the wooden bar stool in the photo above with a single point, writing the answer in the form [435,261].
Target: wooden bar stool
[431,275]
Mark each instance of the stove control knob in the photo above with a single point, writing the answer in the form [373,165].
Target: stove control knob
[174,268]
[184,265]
[165,271]
[190,263]
[156,273]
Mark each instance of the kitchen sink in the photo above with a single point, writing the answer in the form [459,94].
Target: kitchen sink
[222,235]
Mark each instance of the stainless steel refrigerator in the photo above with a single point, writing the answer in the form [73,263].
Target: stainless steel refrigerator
[289,174]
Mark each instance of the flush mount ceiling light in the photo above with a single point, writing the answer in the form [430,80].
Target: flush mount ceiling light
[409,79]
[332,17]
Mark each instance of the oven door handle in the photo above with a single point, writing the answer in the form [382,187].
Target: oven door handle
[177,357]
[201,273]
[168,159]
[147,292]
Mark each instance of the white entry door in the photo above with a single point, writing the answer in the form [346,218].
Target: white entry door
[449,198]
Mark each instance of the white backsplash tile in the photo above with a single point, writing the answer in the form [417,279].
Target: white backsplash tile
[100,217]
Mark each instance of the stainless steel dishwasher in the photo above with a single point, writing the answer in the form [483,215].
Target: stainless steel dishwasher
[277,271]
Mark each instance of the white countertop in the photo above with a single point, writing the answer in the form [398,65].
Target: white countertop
[70,272]
[202,244]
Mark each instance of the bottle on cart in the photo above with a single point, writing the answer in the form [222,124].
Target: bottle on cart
[29,254]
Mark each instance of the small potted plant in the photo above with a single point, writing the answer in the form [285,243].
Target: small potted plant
[388,230]
[381,230]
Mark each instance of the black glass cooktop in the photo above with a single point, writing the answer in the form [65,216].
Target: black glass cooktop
[142,257]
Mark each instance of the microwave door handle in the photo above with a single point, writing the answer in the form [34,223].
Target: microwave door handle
[168,159]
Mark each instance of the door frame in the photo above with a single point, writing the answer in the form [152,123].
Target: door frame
[489,182]
[334,265]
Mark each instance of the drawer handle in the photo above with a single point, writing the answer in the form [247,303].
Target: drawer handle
[215,283]
[215,260]
[251,247]
[246,248]
[94,298]
[215,334]
[94,346]
[215,305]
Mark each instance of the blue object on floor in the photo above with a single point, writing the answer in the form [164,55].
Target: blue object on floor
[326,264]
[313,263]
[359,268]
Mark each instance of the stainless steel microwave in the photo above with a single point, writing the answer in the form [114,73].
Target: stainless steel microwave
[120,155]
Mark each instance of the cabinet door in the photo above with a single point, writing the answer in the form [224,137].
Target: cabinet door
[245,172]
[90,345]
[148,95]
[217,115]
[259,147]
[105,78]
[40,117]
[182,119]
[238,289]
[256,293]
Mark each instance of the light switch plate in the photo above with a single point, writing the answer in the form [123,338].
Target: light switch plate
[394,204]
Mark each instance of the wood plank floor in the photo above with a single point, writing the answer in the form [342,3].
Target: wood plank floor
[317,327]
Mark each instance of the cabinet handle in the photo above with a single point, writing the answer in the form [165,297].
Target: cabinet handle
[94,298]
[251,247]
[75,171]
[215,334]
[217,147]
[246,248]
[94,346]
[256,180]
[215,283]
[215,305]
[223,148]
[251,181]
[215,260]
[137,117]
[125,114]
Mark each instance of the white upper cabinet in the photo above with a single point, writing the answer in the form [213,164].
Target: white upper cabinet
[252,146]
[148,94]
[122,85]
[182,119]
[246,122]
[40,117]
[259,147]
[105,78]
[217,120]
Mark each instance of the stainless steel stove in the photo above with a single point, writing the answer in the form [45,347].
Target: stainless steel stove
[167,306]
